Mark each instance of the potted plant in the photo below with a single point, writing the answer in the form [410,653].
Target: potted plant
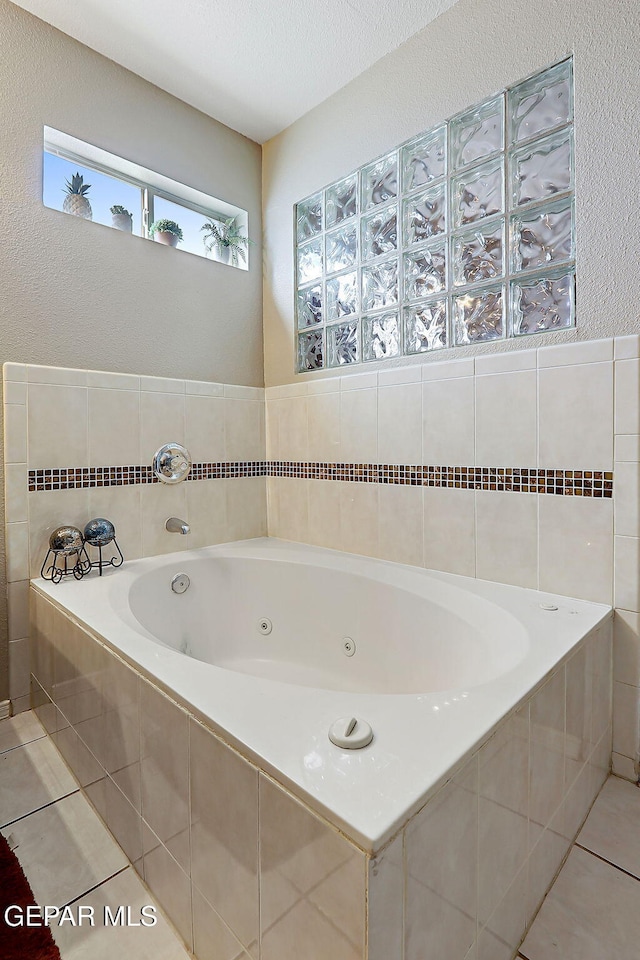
[166,231]
[224,238]
[122,219]
[76,201]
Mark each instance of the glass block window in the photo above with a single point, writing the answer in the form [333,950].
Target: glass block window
[463,235]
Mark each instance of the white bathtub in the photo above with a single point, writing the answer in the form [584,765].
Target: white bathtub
[439,661]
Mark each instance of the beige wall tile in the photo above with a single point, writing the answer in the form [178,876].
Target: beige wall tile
[15,433]
[121,719]
[576,547]
[449,530]
[292,428]
[385,909]
[114,427]
[50,509]
[627,447]
[19,673]
[448,428]
[162,420]
[627,499]
[626,714]
[503,932]
[578,716]
[359,426]
[400,534]
[301,856]
[57,423]
[546,758]
[18,601]
[627,398]
[15,489]
[246,500]
[120,505]
[158,502]
[506,362]
[224,830]
[212,938]
[503,811]
[106,380]
[441,882]
[626,647]
[400,423]
[627,573]
[624,767]
[17,548]
[15,371]
[14,392]
[544,861]
[359,518]
[290,519]
[323,413]
[171,886]
[205,428]
[207,509]
[164,771]
[506,414]
[600,660]
[323,506]
[587,351]
[576,416]
[244,430]
[66,376]
[507,537]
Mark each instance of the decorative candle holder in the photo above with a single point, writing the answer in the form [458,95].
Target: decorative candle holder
[98,534]
[65,543]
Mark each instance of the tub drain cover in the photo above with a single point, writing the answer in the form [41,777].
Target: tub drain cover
[350,733]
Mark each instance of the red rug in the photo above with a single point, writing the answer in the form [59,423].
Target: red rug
[20,943]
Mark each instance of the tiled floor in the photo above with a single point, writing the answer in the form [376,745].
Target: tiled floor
[592,912]
[67,854]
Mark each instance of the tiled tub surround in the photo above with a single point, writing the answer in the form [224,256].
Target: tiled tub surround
[95,422]
[244,869]
[571,407]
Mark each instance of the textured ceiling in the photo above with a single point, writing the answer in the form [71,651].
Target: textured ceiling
[256,65]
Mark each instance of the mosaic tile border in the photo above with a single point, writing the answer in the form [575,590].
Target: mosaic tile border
[74,478]
[568,483]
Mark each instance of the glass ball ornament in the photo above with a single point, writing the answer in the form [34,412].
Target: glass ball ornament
[66,541]
[99,532]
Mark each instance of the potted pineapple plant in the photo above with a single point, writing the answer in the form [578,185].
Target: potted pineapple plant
[76,201]
[167,232]
[121,218]
[223,237]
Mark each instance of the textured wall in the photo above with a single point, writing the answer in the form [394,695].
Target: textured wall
[73,293]
[472,50]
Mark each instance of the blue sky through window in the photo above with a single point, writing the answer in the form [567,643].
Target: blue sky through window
[104,193]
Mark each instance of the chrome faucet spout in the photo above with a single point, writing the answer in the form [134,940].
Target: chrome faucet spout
[174,525]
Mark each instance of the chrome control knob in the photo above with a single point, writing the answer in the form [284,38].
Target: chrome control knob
[171,463]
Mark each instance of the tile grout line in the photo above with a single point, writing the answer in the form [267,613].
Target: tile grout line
[44,806]
[97,886]
[609,862]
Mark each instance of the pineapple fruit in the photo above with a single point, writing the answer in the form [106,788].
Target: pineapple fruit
[75,201]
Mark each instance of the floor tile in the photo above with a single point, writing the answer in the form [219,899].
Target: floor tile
[18,730]
[30,777]
[102,942]
[612,829]
[591,913]
[65,850]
